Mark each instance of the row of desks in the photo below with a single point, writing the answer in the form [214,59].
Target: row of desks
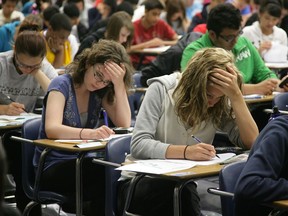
[195,172]
[192,173]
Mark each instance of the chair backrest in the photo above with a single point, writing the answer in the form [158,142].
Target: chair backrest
[136,98]
[228,177]
[116,151]
[281,101]
[30,130]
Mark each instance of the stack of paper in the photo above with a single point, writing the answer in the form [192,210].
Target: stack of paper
[6,120]
[158,166]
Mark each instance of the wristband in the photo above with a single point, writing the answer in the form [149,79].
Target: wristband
[80,134]
[185,151]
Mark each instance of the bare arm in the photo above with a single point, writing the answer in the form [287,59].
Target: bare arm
[265,87]
[58,50]
[226,81]
[42,79]
[201,151]
[13,109]
[56,130]
[119,112]
[59,58]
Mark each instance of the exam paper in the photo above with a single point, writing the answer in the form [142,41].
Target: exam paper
[158,166]
[87,141]
[215,160]
[89,144]
[115,136]
[157,49]
[19,119]
[277,53]
[253,96]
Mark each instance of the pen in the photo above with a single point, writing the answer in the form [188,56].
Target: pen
[105,117]
[15,101]
[199,141]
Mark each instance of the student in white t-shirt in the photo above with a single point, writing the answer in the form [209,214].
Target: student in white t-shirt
[264,33]
[8,13]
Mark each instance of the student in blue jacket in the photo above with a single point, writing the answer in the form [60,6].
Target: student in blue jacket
[264,178]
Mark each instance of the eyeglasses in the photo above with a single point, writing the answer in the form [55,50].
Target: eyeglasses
[231,38]
[24,66]
[99,77]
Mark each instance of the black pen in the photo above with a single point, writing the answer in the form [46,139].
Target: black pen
[199,141]
[16,102]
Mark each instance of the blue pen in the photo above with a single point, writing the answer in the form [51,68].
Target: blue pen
[196,138]
[105,117]
[199,141]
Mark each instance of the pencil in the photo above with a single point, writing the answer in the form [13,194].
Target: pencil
[15,102]
[199,141]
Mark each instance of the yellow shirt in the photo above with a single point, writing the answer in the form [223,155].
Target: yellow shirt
[67,53]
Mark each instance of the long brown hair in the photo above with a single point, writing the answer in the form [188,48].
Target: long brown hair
[116,22]
[190,95]
[99,53]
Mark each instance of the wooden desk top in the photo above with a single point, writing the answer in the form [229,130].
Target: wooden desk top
[267,98]
[281,204]
[150,51]
[196,172]
[48,143]
[11,126]
[13,122]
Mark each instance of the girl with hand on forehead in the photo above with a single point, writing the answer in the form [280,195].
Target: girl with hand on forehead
[99,77]
[204,99]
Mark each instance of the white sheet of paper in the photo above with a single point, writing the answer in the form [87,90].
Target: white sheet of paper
[72,141]
[115,136]
[79,141]
[157,166]
[89,144]
[19,119]
[215,160]
[157,49]
[277,53]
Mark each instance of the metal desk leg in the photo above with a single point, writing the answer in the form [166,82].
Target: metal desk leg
[177,196]
[177,199]
[79,186]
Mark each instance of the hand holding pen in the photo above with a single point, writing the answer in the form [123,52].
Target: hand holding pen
[14,108]
[208,147]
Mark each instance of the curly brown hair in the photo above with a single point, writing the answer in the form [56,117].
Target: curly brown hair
[99,53]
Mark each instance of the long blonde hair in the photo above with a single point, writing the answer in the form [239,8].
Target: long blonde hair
[190,95]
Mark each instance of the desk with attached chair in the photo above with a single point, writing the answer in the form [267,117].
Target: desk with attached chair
[32,181]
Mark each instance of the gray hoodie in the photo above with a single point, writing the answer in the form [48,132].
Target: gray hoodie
[157,125]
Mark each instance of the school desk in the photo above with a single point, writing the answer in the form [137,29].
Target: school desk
[70,146]
[154,51]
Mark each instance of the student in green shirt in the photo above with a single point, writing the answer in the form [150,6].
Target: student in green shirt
[224,30]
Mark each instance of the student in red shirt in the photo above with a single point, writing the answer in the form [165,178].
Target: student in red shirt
[151,31]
